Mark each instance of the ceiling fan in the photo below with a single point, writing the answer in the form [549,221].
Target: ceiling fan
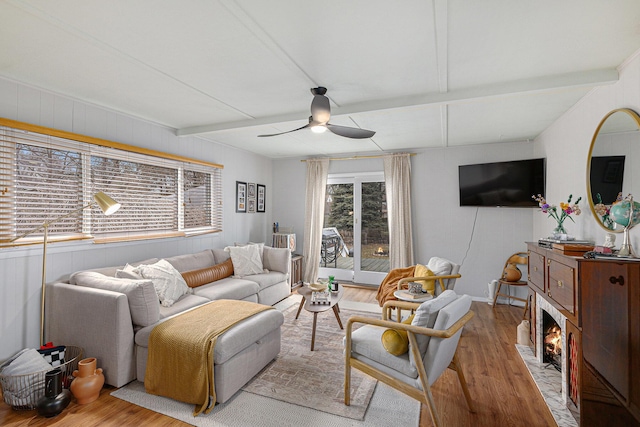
[319,120]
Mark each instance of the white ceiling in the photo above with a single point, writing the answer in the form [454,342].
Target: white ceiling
[420,73]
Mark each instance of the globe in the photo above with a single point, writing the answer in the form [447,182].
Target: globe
[620,213]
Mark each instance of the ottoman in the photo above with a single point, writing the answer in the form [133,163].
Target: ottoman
[240,353]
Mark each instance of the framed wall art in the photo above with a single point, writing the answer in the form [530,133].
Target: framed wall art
[261,198]
[251,197]
[241,196]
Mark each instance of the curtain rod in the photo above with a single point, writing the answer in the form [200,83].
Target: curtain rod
[377,156]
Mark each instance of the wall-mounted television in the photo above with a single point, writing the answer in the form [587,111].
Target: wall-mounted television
[509,184]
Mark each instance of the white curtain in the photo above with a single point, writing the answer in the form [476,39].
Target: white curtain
[317,171]
[397,180]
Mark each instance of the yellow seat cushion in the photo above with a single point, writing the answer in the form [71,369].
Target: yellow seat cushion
[427,285]
[395,341]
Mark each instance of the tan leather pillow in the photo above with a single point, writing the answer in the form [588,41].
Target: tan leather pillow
[195,278]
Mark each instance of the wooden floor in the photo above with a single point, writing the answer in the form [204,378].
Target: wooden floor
[499,383]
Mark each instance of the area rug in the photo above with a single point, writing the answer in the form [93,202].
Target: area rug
[386,406]
[314,378]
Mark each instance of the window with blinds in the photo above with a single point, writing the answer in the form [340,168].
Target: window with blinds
[45,177]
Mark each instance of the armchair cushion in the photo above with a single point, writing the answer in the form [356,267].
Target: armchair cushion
[440,351]
[426,315]
[427,285]
[396,341]
[365,346]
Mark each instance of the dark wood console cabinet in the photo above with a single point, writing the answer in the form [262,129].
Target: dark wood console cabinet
[601,300]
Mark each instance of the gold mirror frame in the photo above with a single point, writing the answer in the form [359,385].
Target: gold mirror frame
[636,118]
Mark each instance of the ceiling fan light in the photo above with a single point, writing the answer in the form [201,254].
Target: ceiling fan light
[318,129]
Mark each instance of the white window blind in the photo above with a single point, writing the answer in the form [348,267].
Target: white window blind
[196,199]
[148,195]
[43,177]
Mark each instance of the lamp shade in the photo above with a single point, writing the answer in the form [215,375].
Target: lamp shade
[106,203]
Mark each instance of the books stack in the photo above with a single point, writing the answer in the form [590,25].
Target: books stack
[321,297]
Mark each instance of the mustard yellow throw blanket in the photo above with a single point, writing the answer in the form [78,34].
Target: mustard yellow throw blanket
[180,360]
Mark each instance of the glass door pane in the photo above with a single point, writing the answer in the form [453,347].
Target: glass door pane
[355,243]
[374,228]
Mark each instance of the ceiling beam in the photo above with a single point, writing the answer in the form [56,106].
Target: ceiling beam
[519,87]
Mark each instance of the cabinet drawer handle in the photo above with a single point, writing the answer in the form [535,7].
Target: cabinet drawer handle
[619,280]
[560,283]
[535,268]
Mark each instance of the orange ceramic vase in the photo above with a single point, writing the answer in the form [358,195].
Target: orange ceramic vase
[511,273]
[88,381]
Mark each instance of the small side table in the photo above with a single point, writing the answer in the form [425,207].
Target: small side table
[306,291]
[404,296]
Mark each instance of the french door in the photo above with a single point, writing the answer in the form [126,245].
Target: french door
[355,241]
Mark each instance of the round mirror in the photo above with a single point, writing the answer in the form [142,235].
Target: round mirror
[613,156]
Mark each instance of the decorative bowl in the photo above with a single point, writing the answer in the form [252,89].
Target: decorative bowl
[317,287]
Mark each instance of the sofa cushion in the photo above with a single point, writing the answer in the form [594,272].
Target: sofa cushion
[227,288]
[246,260]
[266,280]
[111,271]
[141,294]
[278,259]
[167,281]
[220,255]
[185,302]
[195,278]
[193,261]
[245,333]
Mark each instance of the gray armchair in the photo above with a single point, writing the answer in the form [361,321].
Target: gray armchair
[433,337]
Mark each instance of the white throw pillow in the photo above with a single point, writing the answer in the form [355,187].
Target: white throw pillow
[246,260]
[127,272]
[167,281]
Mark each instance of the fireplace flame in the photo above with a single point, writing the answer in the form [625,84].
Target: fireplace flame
[553,340]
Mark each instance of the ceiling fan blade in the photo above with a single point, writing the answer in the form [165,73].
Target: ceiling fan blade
[320,109]
[289,131]
[350,132]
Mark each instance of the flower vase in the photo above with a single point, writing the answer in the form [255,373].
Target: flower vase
[559,230]
[88,381]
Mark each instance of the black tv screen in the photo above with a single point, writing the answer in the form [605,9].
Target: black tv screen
[509,184]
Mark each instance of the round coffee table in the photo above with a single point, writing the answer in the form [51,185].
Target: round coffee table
[306,292]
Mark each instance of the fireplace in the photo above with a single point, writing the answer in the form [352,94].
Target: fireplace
[551,341]
[556,347]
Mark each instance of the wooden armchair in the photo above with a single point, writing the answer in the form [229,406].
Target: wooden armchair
[432,348]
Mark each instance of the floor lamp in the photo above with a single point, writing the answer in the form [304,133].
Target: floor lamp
[106,204]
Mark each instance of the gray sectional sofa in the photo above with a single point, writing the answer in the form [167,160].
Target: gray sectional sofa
[113,323]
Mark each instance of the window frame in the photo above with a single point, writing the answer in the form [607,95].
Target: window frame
[14,133]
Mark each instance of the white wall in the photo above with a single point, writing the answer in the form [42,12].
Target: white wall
[566,145]
[20,268]
[440,226]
